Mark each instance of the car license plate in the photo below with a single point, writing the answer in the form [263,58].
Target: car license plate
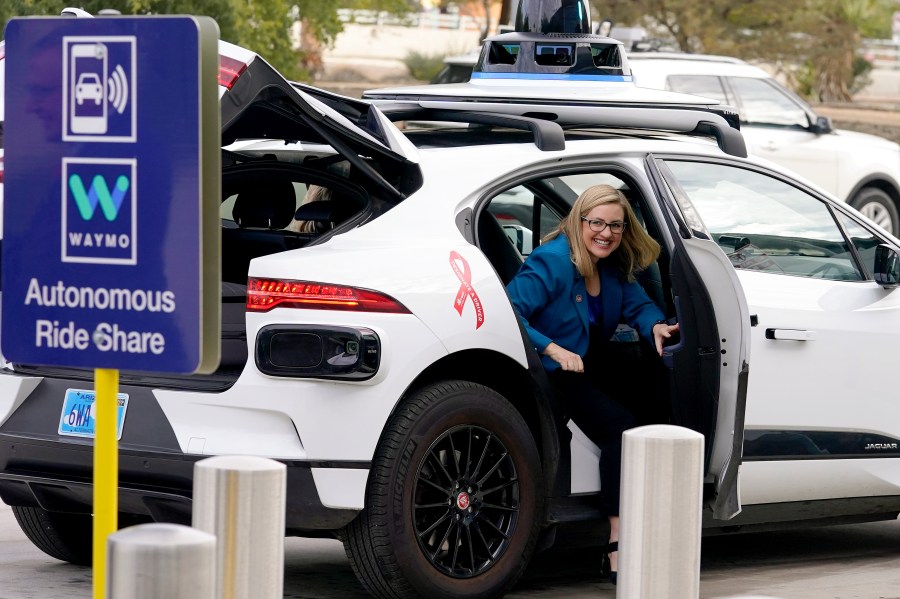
[78,416]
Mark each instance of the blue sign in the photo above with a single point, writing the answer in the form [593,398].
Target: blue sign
[109,176]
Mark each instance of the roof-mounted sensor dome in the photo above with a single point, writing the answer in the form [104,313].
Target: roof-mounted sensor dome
[553,16]
[552,40]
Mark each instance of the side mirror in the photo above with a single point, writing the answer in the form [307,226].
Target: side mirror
[822,125]
[887,266]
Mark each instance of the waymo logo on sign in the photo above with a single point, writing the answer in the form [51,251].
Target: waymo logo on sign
[99,212]
[87,201]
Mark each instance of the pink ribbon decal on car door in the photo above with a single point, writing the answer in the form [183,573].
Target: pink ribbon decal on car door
[464,275]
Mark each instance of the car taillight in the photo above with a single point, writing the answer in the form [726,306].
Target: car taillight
[229,70]
[265,294]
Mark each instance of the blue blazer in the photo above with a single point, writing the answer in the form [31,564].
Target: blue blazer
[550,297]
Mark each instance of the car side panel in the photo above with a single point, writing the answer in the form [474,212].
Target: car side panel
[305,418]
[815,157]
[790,481]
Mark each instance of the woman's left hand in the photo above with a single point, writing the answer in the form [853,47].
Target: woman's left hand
[661,332]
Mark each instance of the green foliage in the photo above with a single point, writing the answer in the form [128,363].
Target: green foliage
[817,39]
[260,25]
[805,78]
[862,74]
[423,66]
[264,28]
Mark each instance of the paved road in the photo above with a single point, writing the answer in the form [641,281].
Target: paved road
[847,562]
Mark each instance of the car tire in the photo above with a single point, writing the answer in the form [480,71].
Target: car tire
[454,499]
[66,537]
[876,205]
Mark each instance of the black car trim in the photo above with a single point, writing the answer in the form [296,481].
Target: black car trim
[344,464]
[803,514]
[765,445]
[70,489]
[548,136]
[686,119]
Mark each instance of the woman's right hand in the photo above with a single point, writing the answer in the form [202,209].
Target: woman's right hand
[567,360]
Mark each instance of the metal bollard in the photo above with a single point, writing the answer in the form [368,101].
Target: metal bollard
[662,493]
[160,561]
[241,500]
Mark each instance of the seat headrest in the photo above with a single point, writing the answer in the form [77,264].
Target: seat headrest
[265,205]
[332,211]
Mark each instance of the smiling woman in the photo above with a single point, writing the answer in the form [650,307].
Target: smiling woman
[583,274]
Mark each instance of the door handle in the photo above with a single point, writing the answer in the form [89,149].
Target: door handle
[790,334]
[770,146]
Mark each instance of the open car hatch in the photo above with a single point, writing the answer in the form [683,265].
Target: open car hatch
[258,103]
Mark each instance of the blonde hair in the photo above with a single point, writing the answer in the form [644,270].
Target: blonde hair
[636,251]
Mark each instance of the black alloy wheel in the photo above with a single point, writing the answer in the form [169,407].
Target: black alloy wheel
[454,501]
[466,501]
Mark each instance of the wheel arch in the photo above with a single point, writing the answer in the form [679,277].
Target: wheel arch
[880,181]
[523,389]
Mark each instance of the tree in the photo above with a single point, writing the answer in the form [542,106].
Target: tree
[260,25]
[822,36]
[320,25]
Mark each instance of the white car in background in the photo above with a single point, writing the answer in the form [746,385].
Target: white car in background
[862,170]
[457,68]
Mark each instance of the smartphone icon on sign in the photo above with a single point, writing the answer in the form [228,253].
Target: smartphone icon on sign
[87,94]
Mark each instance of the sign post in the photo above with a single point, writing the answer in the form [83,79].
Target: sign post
[106,472]
[112,243]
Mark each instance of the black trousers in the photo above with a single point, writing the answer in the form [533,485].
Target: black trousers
[623,386]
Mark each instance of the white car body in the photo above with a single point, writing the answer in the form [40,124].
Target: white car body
[781,127]
[366,433]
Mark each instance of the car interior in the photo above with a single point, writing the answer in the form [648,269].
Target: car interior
[267,208]
[539,206]
[270,207]
[517,219]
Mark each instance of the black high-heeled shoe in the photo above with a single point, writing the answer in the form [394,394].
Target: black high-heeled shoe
[606,566]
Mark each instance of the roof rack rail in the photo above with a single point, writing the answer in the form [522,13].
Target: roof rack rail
[547,122]
[548,136]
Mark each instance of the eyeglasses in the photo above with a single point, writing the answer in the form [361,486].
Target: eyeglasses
[598,226]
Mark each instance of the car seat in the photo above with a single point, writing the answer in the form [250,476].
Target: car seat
[262,208]
[265,204]
[326,213]
[651,277]
[497,247]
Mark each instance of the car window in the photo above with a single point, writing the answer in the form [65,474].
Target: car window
[764,224]
[514,210]
[762,102]
[708,86]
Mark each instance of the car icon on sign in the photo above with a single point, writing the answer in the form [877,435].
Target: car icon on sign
[88,88]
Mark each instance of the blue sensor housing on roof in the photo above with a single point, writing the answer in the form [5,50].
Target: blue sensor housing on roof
[552,41]
[566,56]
